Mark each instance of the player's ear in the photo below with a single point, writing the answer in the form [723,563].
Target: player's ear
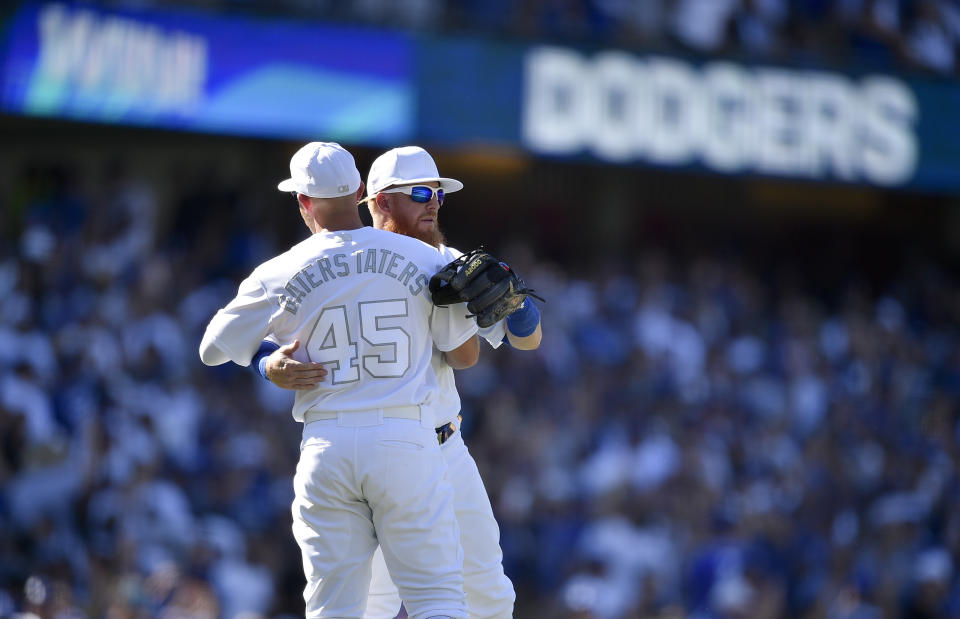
[304,201]
[306,216]
[383,202]
[360,192]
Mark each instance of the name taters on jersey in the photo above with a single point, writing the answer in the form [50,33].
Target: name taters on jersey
[380,261]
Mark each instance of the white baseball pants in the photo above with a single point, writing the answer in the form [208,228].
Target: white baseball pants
[489,592]
[364,479]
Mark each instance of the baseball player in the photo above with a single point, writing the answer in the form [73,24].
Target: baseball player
[406,193]
[370,470]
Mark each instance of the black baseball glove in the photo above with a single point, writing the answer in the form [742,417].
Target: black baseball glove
[489,287]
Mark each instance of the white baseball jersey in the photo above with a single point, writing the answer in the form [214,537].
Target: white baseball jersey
[358,301]
[447,401]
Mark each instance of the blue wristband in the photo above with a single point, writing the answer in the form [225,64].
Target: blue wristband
[524,321]
[259,361]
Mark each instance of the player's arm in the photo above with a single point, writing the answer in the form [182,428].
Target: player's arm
[235,331]
[523,326]
[522,329]
[465,355]
[454,334]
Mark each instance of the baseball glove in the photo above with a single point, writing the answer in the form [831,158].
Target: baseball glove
[489,287]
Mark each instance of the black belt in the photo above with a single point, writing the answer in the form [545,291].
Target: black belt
[445,432]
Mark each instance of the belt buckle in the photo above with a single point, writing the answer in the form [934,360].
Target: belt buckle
[446,431]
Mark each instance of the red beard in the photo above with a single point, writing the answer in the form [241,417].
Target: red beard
[434,237]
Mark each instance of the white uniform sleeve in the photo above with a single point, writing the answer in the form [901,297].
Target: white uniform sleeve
[210,353]
[236,331]
[450,326]
[495,333]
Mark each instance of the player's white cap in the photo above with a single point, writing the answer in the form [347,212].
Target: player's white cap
[404,166]
[322,170]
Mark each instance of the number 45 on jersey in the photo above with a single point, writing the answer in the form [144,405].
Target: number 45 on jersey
[381,334]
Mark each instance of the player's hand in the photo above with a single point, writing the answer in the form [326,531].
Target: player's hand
[287,373]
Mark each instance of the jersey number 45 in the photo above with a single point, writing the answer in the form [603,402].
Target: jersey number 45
[381,331]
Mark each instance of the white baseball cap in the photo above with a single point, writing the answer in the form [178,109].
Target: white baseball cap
[322,170]
[405,166]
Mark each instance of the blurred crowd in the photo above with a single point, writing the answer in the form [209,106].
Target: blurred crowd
[702,442]
[692,440]
[918,35]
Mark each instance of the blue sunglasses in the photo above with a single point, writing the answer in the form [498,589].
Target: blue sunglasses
[418,193]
